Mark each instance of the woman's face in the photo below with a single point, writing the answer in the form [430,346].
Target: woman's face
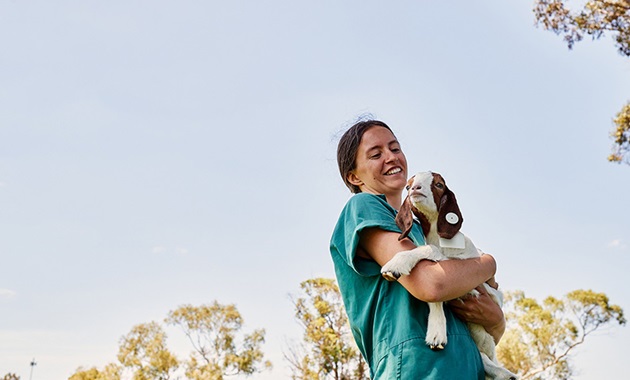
[381,166]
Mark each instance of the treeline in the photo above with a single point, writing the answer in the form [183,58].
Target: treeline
[536,344]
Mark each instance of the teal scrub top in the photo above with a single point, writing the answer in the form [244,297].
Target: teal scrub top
[388,323]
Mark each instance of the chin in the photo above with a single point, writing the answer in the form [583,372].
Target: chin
[400,183]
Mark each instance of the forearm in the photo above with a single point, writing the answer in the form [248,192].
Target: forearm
[446,280]
[429,281]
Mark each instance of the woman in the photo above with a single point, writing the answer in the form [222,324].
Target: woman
[389,319]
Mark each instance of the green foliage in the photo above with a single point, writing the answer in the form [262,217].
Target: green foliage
[328,351]
[596,18]
[540,337]
[144,351]
[212,330]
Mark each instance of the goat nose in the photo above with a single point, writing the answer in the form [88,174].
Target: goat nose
[416,187]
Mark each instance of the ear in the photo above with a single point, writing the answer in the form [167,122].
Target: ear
[449,217]
[404,218]
[353,179]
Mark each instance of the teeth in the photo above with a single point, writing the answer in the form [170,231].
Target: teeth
[394,171]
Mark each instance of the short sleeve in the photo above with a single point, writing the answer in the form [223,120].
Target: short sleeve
[362,211]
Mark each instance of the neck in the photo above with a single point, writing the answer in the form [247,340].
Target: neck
[428,221]
[394,201]
[431,234]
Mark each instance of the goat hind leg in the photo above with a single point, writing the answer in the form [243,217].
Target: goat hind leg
[494,371]
[436,337]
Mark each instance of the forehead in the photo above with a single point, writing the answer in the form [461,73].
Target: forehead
[375,137]
[424,177]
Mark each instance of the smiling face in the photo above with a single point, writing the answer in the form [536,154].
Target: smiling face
[381,166]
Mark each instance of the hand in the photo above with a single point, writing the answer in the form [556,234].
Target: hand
[481,310]
[493,282]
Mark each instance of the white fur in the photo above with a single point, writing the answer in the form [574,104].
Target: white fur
[402,263]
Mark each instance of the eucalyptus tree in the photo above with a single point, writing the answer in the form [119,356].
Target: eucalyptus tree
[328,350]
[144,351]
[595,19]
[219,347]
[541,336]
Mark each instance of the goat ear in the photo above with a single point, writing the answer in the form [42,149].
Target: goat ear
[404,218]
[449,217]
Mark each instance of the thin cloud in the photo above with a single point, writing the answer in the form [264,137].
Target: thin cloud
[161,250]
[158,249]
[617,244]
[181,251]
[7,293]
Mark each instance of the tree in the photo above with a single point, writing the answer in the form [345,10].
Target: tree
[329,351]
[144,352]
[540,337]
[111,372]
[212,330]
[621,136]
[596,18]
[11,376]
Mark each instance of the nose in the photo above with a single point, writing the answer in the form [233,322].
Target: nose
[416,186]
[391,157]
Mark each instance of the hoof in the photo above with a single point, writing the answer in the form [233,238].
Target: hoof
[391,276]
[438,347]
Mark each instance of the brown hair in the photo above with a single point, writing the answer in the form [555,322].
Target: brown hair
[348,147]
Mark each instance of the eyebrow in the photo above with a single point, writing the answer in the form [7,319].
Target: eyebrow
[394,141]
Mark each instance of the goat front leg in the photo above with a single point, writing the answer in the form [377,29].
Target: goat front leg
[436,327]
[403,262]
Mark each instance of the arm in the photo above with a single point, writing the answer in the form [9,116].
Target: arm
[429,281]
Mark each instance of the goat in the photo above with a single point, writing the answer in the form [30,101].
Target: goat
[431,201]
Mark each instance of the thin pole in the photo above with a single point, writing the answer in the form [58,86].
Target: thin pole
[33,364]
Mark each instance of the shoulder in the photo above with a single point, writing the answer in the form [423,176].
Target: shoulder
[367,210]
[365,201]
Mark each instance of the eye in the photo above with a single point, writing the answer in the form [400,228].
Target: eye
[439,185]
[375,156]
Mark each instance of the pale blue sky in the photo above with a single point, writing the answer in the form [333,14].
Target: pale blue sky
[155,153]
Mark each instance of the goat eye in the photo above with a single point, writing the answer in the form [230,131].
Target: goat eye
[439,185]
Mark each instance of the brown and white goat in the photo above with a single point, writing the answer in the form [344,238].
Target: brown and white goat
[431,201]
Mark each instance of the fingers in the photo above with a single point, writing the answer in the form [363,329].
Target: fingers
[493,283]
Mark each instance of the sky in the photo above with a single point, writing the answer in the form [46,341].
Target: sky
[161,153]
